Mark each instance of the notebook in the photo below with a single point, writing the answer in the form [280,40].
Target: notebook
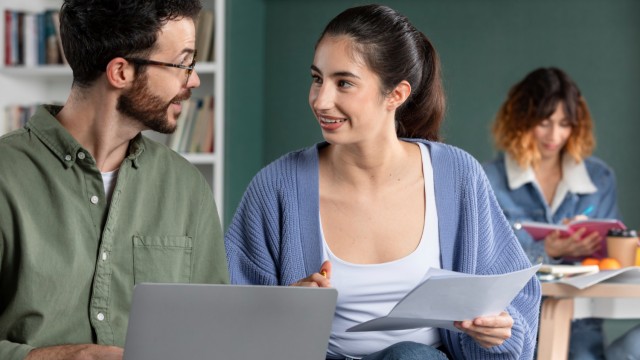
[230,322]
[540,230]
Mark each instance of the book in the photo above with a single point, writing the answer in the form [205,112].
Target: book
[52,50]
[19,39]
[560,270]
[8,28]
[540,230]
[55,16]
[189,125]
[203,128]
[41,38]
[15,35]
[174,139]
[447,296]
[204,35]
[210,132]
[30,40]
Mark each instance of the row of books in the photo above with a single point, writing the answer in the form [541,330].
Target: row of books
[32,38]
[194,133]
[205,30]
[15,117]
[195,130]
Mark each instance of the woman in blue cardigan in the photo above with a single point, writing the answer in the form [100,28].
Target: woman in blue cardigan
[377,204]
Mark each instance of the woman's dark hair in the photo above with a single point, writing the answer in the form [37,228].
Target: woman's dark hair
[534,99]
[395,50]
[93,32]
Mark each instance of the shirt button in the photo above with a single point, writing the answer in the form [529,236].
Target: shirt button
[67,157]
[104,256]
[94,199]
[100,316]
[81,155]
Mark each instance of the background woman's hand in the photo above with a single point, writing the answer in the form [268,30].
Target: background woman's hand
[320,279]
[488,331]
[572,246]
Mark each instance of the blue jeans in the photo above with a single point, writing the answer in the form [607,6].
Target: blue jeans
[407,350]
[626,347]
[587,340]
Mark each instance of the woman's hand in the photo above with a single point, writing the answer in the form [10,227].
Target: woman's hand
[488,331]
[320,279]
[572,246]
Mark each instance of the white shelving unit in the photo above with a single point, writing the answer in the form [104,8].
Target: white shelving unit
[20,85]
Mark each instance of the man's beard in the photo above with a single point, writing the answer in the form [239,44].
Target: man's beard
[140,104]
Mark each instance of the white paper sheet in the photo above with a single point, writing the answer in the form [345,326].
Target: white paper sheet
[448,296]
[627,275]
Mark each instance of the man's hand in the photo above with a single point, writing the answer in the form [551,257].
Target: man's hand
[76,352]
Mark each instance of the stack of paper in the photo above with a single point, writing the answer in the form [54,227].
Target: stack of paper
[566,270]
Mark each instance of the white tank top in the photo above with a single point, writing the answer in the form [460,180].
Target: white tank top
[367,291]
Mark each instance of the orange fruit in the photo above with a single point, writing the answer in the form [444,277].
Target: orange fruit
[609,264]
[590,261]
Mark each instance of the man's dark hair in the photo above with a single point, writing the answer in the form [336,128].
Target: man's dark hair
[94,32]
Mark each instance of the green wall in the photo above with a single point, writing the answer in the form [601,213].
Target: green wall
[485,47]
[244,97]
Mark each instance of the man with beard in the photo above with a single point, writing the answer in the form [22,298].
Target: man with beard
[88,206]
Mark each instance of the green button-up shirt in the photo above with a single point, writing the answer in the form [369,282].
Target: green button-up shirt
[69,260]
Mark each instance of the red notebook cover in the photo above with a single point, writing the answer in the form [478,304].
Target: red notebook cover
[539,230]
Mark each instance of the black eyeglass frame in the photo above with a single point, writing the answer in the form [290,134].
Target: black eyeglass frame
[189,68]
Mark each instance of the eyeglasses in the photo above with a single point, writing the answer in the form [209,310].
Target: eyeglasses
[189,67]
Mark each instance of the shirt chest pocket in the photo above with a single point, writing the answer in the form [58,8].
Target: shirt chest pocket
[162,259]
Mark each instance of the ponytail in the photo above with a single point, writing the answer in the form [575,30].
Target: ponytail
[421,115]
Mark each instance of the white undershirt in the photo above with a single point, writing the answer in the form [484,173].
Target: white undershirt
[109,182]
[367,291]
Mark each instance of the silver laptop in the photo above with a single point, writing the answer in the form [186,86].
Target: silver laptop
[229,322]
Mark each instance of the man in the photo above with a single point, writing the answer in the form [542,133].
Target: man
[89,207]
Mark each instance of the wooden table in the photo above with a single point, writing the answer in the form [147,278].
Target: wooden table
[564,303]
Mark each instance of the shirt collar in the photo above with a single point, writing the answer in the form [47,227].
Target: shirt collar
[574,175]
[64,146]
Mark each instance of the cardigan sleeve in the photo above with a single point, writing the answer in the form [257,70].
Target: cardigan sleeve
[487,245]
[265,242]
[252,233]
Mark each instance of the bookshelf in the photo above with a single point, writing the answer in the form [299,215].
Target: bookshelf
[36,84]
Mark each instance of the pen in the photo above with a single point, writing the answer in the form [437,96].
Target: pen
[588,210]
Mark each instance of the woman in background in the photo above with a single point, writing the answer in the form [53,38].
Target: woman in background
[381,201]
[545,173]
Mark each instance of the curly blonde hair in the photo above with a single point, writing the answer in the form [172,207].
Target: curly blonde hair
[534,99]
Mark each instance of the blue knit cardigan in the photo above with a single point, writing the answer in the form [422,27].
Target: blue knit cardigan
[274,237]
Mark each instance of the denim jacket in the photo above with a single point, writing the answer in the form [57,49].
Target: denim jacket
[590,183]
